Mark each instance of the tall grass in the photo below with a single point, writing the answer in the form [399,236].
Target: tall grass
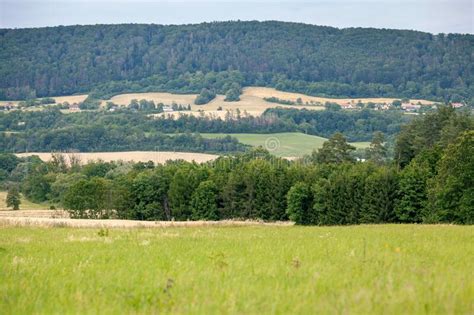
[389,269]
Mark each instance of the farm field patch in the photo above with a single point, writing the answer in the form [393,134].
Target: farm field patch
[136,156]
[372,269]
[71,99]
[286,144]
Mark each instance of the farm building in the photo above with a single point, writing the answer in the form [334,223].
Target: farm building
[410,107]
[167,109]
[74,107]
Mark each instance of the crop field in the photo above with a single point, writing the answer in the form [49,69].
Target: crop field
[250,101]
[383,269]
[136,156]
[263,92]
[71,99]
[286,144]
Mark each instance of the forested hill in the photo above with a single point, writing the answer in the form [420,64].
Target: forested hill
[290,56]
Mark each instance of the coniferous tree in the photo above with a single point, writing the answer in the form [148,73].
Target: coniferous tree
[299,201]
[412,204]
[377,153]
[335,150]
[453,187]
[380,197]
[204,201]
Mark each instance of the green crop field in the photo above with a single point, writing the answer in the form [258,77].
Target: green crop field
[383,269]
[286,144]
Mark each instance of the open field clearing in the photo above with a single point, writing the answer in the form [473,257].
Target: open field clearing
[136,156]
[286,144]
[265,92]
[254,105]
[251,101]
[25,204]
[71,99]
[383,269]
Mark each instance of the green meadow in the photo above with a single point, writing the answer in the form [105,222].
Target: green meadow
[25,203]
[285,144]
[378,269]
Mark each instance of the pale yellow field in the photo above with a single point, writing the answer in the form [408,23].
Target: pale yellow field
[71,99]
[251,102]
[136,156]
[262,92]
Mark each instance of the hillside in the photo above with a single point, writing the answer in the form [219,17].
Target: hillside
[111,59]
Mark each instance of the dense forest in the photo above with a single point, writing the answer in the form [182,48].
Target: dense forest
[431,180]
[222,57]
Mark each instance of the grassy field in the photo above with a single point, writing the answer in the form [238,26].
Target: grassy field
[25,204]
[286,144]
[384,269]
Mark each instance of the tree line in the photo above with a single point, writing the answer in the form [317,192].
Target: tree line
[222,57]
[430,180]
[125,129]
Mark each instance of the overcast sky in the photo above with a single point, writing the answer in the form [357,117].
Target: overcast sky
[435,16]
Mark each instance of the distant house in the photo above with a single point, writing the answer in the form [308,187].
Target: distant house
[113,108]
[7,106]
[167,109]
[74,107]
[410,107]
[348,105]
[457,105]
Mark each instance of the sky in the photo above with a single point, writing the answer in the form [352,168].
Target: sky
[434,16]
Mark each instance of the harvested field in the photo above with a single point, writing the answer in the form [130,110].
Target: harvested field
[135,156]
[71,99]
[263,92]
[48,214]
[60,218]
[252,104]
[251,101]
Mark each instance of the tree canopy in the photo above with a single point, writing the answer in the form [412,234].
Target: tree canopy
[223,56]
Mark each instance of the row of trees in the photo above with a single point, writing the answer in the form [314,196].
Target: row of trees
[328,187]
[356,126]
[96,138]
[225,56]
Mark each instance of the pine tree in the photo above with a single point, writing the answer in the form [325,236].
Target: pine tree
[335,150]
[413,192]
[453,186]
[377,152]
[299,201]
